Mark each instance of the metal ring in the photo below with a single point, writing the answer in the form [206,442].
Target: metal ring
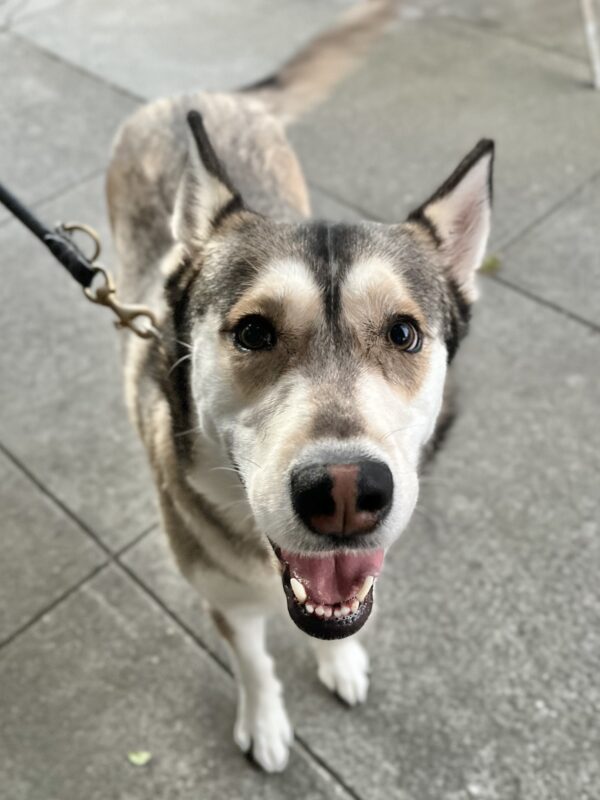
[70,227]
[97,295]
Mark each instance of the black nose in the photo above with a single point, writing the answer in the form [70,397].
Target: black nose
[342,499]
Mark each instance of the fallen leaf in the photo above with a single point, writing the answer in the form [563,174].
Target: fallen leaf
[139,758]
[491,265]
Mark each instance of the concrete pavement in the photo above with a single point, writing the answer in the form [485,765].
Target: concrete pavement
[486,648]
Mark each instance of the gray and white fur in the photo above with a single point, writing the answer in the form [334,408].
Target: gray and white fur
[300,375]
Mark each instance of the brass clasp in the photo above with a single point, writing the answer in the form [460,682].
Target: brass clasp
[105,293]
[127,313]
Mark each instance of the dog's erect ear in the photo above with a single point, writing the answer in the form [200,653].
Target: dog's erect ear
[205,195]
[457,216]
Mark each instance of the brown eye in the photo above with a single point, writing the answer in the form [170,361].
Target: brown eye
[254,333]
[406,336]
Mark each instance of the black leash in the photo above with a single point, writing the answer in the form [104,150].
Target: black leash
[83,269]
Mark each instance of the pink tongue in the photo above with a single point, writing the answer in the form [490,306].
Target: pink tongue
[333,577]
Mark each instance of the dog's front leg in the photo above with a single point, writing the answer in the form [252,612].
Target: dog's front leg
[343,666]
[262,727]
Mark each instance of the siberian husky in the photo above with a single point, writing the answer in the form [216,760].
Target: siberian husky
[301,373]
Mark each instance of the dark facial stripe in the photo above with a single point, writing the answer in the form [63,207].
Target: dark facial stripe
[458,315]
[330,249]
[176,368]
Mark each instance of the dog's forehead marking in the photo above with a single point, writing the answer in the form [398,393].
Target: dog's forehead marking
[374,289]
[287,282]
[285,277]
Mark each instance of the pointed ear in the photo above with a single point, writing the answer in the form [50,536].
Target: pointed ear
[205,195]
[457,216]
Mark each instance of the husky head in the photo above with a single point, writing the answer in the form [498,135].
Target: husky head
[318,360]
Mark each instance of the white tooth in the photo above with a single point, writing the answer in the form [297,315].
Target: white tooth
[319,611]
[327,612]
[309,607]
[345,610]
[354,606]
[298,590]
[337,613]
[366,587]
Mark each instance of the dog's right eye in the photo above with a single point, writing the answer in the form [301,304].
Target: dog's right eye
[254,333]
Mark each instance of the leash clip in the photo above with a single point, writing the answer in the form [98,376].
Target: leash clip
[105,293]
[127,313]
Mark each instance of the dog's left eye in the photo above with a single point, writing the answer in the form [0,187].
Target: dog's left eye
[254,333]
[405,335]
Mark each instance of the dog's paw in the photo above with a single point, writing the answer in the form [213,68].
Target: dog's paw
[265,732]
[344,669]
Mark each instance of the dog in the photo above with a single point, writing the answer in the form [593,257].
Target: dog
[300,377]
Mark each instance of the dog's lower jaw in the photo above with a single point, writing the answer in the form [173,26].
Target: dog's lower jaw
[319,627]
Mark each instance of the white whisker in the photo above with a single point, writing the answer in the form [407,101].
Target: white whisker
[245,458]
[179,361]
[229,506]
[187,433]
[398,430]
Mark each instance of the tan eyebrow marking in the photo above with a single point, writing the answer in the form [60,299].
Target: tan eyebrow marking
[285,292]
[373,292]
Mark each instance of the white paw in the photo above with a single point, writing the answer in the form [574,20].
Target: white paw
[344,669]
[263,728]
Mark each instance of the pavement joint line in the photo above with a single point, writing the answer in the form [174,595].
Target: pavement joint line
[53,604]
[41,202]
[556,206]
[6,26]
[594,327]
[111,557]
[351,206]
[496,33]
[221,664]
[136,540]
[74,587]
[112,554]
[16,461]
[15,18]
[33,45]
[114,559]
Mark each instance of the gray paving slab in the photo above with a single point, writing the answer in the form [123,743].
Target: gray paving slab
[165,48]
[57,124]
[397,128]
[486,645]
[106,673]
[324,206]
[44,554]
[558,260]
[63,413]
[552,24]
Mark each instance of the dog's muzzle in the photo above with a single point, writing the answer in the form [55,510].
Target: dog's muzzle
[330,593]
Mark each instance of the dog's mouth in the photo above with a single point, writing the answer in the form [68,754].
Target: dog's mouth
[330,595]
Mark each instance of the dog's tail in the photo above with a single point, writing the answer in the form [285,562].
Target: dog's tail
[308,77]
